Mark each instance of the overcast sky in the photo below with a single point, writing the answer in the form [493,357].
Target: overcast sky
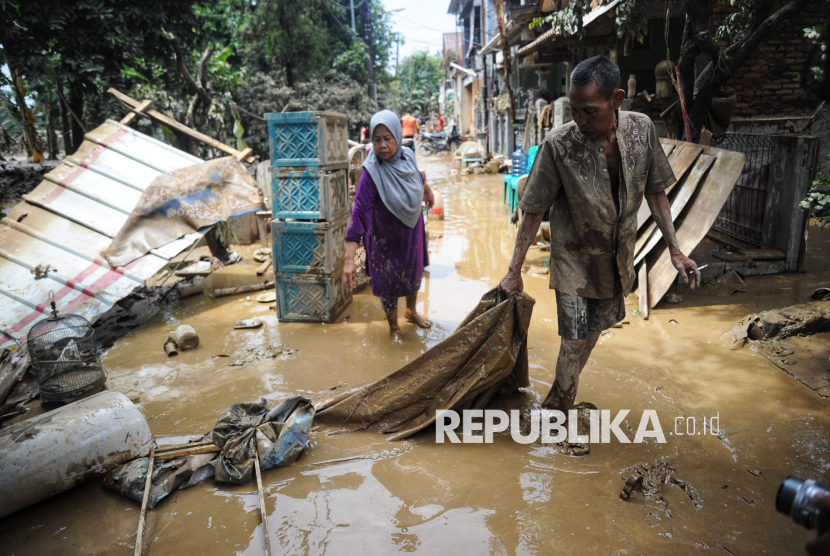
[422,23]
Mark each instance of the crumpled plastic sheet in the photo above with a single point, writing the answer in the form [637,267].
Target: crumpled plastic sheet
[279,434]
[168,475]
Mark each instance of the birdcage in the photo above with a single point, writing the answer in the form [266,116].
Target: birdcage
[64,356]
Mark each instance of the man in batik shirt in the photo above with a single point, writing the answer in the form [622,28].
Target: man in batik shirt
[592,174]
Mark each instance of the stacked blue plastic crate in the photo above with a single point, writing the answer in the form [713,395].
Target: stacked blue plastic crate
[309,161]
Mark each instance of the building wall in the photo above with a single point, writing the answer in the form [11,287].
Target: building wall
[768,83]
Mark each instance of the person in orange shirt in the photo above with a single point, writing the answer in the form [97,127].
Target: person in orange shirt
[439,126]
[409,125]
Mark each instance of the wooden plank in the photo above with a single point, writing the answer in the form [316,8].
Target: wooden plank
[707,203]
[642,290]
[730,257]
[704,162]
[244,154]
[129,118]
[264,267]
[161,118]
[262,504]
[139,538]
[667,149]
[681,159]
[765,254]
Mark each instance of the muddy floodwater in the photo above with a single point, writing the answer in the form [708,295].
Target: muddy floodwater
[359,494]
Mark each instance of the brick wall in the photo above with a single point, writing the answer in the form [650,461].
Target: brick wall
[768,83]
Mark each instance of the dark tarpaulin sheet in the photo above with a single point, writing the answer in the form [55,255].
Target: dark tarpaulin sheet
[487,353]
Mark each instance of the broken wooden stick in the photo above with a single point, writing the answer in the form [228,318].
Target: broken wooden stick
[170,122]
[139,538]
[222,292]
[196,450]
[262,502]
[130,118]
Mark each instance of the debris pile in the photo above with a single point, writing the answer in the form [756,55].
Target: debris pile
[795,339]
[649,478]
[797,320]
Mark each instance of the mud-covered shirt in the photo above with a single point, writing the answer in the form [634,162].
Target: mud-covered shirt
[590,241]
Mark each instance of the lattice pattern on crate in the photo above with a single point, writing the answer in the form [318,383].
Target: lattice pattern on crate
[340,192]
[308,300]
[339,292]
[294,141]
[338,239]
[298,194]
[337,145]
[303,249]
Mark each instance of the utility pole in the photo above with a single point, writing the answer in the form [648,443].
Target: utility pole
[354,27]
[367,38]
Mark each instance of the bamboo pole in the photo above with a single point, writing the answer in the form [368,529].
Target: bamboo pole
[262,503]
[139,538]
[222,292]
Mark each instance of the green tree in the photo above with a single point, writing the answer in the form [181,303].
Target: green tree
[418,82]
[289,35]
[90,42]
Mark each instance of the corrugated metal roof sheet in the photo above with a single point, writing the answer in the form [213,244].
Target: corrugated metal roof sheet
[69,218]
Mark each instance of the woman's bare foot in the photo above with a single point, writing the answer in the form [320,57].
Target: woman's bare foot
[417,320]
[394,327]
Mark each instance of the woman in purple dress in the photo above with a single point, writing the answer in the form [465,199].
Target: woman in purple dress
[387,216]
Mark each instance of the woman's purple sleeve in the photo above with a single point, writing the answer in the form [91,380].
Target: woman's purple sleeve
[363,208]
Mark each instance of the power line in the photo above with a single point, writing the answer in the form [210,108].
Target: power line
[422,26]
[424,42]
[348,7]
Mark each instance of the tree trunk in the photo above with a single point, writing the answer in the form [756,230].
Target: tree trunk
[66,131]
[505,49]
[50,130]
[76,104]
[289,75]
[29,132]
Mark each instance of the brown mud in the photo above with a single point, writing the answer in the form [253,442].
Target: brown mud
[359,494]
